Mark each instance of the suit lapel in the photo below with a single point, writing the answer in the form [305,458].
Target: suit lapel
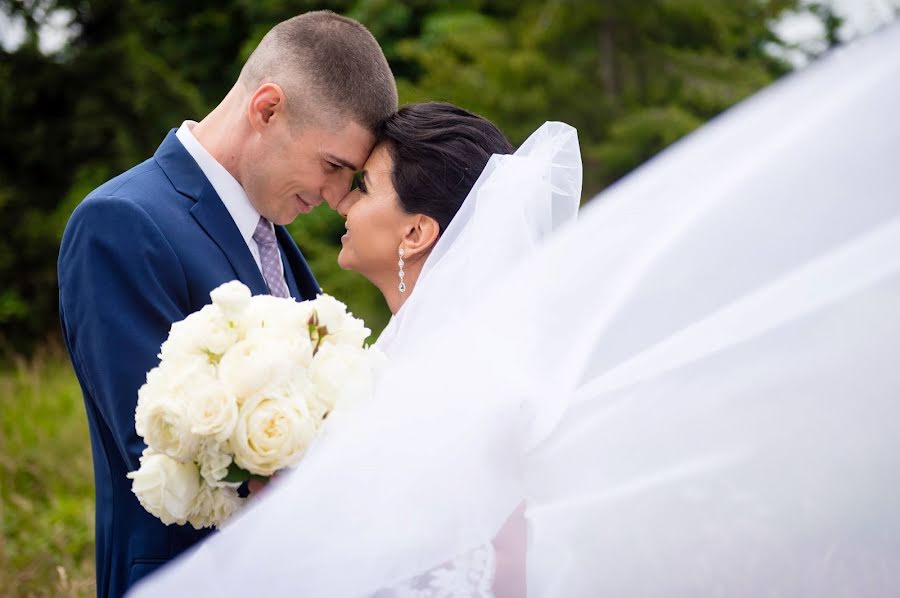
[297,274]
[212,215]
[209,211]
[289,277]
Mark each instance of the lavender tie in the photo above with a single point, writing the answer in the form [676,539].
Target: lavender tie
[264,236]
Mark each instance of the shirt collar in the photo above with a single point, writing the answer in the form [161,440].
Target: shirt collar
[229,190]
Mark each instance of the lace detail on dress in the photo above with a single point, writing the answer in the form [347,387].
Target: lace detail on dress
[468,576]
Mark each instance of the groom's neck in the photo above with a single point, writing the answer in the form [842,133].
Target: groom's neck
[221,132]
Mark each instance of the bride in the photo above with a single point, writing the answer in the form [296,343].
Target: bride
[693,390]
[429,158]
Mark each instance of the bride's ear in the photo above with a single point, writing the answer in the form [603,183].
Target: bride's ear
[421,236]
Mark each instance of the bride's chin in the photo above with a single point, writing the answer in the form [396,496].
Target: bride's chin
[344,261]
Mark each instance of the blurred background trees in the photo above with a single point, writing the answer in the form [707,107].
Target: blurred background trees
[91,87]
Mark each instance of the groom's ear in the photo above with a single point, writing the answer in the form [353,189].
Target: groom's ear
[266,102]
[421,235]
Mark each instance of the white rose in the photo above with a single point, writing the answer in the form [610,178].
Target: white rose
[265,358]
[296,347]
[182,375]
[343,375]
[331,312]
[283,315]
[166,488]
[342,327]
[214,506]
[173,381]
[165,427]
[206,333]
[232,298]
[161,416]
[214,459]
[149,394]
[211,410]
[272,432]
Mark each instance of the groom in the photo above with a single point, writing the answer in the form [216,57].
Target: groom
[145,249]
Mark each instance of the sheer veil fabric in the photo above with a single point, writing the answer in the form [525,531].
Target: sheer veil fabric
[515,204]
[694,387]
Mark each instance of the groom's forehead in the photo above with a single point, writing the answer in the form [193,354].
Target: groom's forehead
[348,146]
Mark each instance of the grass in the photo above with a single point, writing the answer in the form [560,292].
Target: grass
[46,481]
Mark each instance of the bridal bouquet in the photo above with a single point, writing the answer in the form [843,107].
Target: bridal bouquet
[242,388]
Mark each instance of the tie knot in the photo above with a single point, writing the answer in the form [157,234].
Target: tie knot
[264,235]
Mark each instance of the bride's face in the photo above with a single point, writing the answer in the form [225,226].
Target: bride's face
[376,222]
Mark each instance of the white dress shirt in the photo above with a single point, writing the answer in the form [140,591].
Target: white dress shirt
[229,190]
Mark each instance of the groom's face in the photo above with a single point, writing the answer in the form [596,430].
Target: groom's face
[296,169]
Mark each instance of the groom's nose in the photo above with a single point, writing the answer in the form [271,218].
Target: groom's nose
[344,205]
[334,191]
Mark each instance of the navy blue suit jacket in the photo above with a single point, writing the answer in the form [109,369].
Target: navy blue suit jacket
[139,253]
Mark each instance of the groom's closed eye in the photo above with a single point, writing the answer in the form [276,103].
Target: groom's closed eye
[335,163]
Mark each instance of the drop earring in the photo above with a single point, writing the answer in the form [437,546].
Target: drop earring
[402,286]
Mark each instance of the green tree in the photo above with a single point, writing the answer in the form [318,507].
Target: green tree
[632,77]
[70,121]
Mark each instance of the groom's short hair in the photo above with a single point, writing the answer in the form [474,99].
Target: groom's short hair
[328,66]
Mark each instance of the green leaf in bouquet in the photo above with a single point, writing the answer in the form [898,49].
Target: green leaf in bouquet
[236,474]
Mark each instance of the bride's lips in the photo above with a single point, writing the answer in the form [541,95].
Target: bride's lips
[345,236]
[305,207]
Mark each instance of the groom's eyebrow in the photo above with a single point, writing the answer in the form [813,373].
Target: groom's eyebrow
[341,161]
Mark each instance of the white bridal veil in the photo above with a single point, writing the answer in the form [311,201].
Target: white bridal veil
[695,388]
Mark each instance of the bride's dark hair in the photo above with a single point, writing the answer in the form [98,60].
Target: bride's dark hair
[439,151]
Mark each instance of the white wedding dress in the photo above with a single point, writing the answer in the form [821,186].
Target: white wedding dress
[515,204]
[470,575]
[694,389]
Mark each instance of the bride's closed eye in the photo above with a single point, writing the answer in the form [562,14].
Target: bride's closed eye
[359,181]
